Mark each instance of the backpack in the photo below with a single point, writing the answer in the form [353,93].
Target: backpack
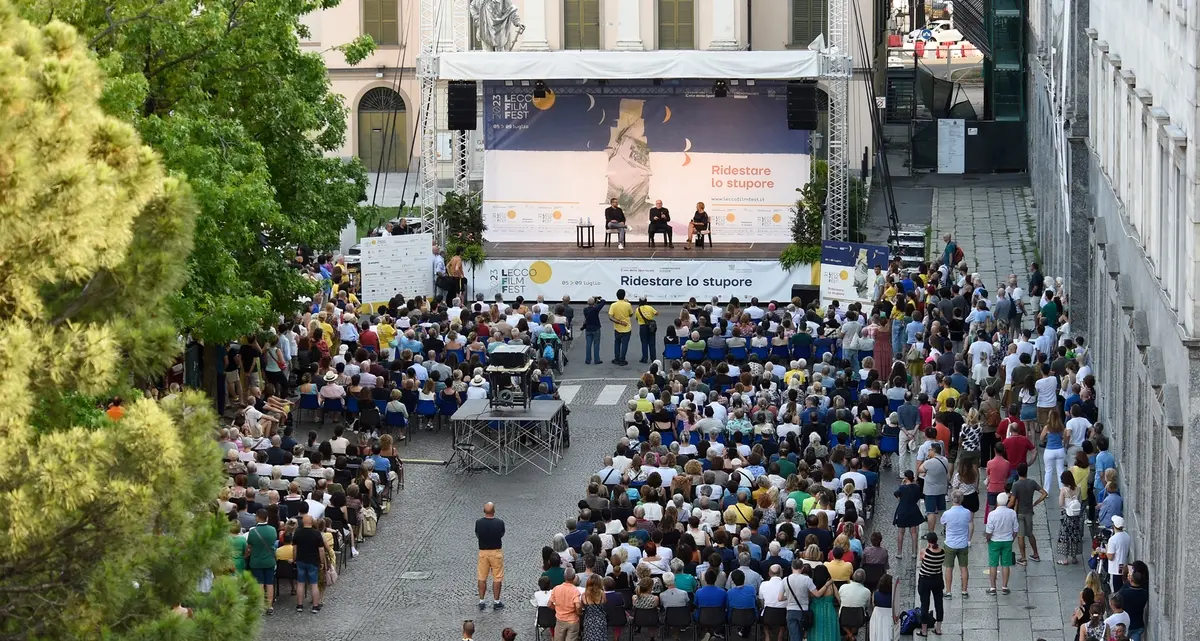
[910,620]
[957,257]
[991,415]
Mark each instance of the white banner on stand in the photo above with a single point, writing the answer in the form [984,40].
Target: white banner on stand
[393,265]
[661,281]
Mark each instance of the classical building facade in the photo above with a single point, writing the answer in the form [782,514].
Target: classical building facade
[1113,160]
[382,97]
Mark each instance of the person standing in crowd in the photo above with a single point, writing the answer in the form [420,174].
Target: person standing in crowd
[621,313]
[1117,552]
[1000,528]
[957,521]
[948,252]
[1070,523]
[647,328]
[929,584]
[489,530]
[437,265]
[1024,490]
[1134,599]
[567,604]
[310,560]
[660,223]
[591,331]
[261,542]
[614,218]
[937,482]
[797,589]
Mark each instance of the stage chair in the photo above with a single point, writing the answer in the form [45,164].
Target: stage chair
[700,234]
[660,232]
[608,234]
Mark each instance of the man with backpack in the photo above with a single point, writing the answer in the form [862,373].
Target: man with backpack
[952,255]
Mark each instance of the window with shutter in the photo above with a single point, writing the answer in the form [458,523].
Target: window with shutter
[676,24]
[808,20]
[581,24]
[381,21]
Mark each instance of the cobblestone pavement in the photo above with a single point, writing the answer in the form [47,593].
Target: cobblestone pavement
[993,225]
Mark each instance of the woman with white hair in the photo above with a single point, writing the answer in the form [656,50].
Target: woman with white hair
[566,555]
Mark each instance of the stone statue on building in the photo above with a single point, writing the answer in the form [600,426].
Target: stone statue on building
[497,25]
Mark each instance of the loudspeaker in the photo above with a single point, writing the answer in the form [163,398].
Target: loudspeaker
[802,105]
[460,105]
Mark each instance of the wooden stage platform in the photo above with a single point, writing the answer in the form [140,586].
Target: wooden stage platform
[637,250]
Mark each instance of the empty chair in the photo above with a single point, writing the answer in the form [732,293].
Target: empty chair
[672,351]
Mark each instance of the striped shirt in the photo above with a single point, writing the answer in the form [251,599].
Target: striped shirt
[931,565]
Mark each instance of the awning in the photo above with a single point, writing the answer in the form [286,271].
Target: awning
[628,65]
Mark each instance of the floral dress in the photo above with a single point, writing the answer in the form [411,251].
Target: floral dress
[595,623]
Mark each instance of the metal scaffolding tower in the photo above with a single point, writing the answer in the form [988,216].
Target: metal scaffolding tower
[838,69]
[445,26]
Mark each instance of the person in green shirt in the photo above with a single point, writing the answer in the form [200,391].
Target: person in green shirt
[802,499]
[553,568]
[841,425]
[237,547]
[865,426]
[786,467]
[261,541]
[694,344]
[1050,311]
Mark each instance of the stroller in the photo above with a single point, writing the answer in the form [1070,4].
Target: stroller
[548,346]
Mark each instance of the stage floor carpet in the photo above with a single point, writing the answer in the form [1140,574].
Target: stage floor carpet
[717,251]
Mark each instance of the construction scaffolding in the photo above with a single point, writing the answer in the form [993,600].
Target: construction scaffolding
[445,27]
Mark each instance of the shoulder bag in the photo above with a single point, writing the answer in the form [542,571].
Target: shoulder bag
[651,324]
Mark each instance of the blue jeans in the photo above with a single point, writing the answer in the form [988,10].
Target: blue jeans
[591,347]
[620,345]
[795,625]
[852,356]
[647,343]
[897,342]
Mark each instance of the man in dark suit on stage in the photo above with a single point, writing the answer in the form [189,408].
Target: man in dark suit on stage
[660,222]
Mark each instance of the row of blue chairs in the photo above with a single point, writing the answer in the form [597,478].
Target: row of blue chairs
[817,350]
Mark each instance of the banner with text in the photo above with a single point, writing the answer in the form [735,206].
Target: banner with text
[660,281]
[554,162]
[848,270]
[393,265]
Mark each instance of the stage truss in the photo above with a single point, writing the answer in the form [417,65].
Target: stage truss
[502,440]
[437,38]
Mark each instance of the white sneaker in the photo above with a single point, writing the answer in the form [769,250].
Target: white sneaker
[620,245]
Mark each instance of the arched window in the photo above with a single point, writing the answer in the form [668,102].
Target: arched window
[382,125]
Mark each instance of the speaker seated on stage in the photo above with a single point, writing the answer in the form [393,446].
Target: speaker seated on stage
[660,223]
[614,218]
[698,225]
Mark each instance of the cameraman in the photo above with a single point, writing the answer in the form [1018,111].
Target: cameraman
[591,330]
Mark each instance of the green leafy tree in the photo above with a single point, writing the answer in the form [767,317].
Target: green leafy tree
[105,526]
[808,216]
[221,90]
[462,214]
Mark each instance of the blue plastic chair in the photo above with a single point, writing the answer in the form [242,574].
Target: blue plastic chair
[780,351]
[695,355]
[894,404]
[667,438]
[460,353]
[334,405]
[396,419]
[446,408]
[382,405]
[822,346]
[716,353]
[739,354]
[672,351]
[889,444]
[763,353]
[879,416]
[549,381]
[427,410]
[311,403]
[352,405]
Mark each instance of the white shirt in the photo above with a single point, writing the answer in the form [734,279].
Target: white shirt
[860,480]
[771,593]
[1079,427]
[1119,617]
[719,412]
[1118,551]
[1002,523]
[540,599]
[316,509]
[1047,391]
[667,474]
[710,517]
[654,511]
[1010,363]
[1026,347]
[338,445]
[476,392]
[622,463]
[755,312]
[981,351]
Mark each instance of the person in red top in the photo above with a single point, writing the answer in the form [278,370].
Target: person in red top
[115,411]
[1018,447]
[943,435]
[367,337]
[998,470]
[1010,421]
[925,410]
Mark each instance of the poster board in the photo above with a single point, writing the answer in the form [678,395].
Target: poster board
[393,265]
[847,271]
[952,145]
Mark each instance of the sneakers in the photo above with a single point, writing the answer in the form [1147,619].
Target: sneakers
[316,609]
[482,605]
[499,605]
[300,608]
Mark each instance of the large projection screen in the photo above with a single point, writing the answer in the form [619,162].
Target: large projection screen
[552,163]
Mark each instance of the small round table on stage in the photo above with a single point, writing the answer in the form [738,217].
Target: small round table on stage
[585,236]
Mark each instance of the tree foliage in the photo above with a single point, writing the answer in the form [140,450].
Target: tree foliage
[462,214]
[221,90]
[104,526]
[808,216]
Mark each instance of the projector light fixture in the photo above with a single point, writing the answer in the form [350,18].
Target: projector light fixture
[539,89]
[720,89]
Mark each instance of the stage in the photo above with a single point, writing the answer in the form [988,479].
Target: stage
[635,249]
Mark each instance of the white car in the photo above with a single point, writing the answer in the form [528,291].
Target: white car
[939,31]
